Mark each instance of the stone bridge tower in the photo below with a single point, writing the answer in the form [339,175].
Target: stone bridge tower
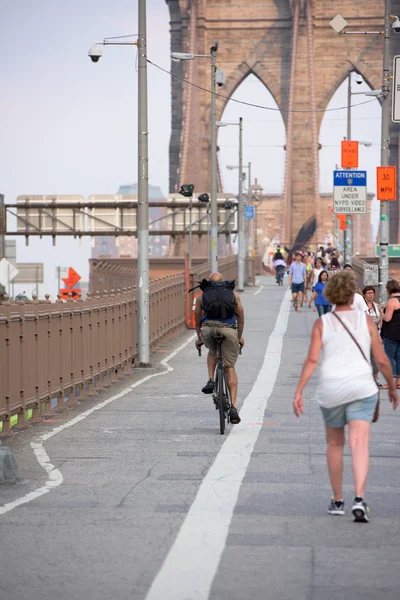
[291,48]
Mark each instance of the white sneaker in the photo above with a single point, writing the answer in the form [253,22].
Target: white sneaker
[360,511]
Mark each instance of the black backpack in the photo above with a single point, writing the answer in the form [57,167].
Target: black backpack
[219,301]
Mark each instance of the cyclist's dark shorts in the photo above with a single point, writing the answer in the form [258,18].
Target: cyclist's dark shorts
[230,346]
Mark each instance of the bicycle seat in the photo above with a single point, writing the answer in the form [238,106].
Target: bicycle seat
[219,337]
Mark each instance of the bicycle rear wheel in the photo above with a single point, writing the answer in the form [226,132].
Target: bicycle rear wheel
[221,407]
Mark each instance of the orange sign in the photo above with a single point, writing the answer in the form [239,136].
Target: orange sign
[342,219]
[386,183]
[72,278]
[349,155]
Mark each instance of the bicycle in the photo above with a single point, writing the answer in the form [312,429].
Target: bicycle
[279,275]
[221,395]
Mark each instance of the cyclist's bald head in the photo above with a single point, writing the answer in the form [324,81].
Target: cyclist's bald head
[216,277]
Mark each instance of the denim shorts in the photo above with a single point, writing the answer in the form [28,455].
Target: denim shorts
[359,410]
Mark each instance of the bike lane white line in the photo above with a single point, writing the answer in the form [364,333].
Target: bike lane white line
[192,562]
[55,477]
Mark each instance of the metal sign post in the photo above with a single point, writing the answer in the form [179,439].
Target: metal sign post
[385,141]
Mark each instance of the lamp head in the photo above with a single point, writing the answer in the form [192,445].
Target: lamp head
[374,93]
[177,56]
[187,190]
[204,198]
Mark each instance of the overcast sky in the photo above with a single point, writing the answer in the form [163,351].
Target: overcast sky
[69,126]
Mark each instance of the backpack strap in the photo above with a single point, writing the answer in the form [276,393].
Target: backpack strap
[193,288]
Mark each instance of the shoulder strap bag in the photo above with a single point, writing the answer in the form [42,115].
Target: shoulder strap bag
[376,413]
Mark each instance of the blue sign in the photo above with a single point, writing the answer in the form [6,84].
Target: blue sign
[349,192]
[350,178]
[249,212]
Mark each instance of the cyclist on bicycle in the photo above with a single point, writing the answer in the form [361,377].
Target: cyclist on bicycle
[279,265]
[210,320]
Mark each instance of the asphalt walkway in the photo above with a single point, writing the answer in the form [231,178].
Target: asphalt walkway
[143,498]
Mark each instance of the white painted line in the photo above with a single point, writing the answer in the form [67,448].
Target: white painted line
[192,562]
[258,291]
[55,477]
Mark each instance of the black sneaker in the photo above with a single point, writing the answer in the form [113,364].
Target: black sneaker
[234,416]
[209,387]
[336,507]
[360,511]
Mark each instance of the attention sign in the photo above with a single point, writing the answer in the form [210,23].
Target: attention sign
[349,192]
[349,155]
[386,183]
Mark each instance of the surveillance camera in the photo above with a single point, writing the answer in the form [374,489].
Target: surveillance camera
[95,53]
[359,79]
[396,24]
[220,77]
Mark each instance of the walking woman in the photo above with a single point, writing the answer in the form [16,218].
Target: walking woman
[323,305]
[347,392]
[391,328]
[317,270]
[373,309]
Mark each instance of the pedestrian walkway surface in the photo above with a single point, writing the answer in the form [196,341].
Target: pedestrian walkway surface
[154,504]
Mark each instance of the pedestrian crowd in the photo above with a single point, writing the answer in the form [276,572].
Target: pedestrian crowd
[308,274]
[358,342]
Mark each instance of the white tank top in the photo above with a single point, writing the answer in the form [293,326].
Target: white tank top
[345,375]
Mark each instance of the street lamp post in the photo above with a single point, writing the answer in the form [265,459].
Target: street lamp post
[348,234]
[95,54]
[187,190]
[339,24]
[143,196]
[241,225]
[213,149]
[248,251]
[249,226]
[384,207]
[214,165]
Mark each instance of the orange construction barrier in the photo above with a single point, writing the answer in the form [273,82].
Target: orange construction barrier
[192,320]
